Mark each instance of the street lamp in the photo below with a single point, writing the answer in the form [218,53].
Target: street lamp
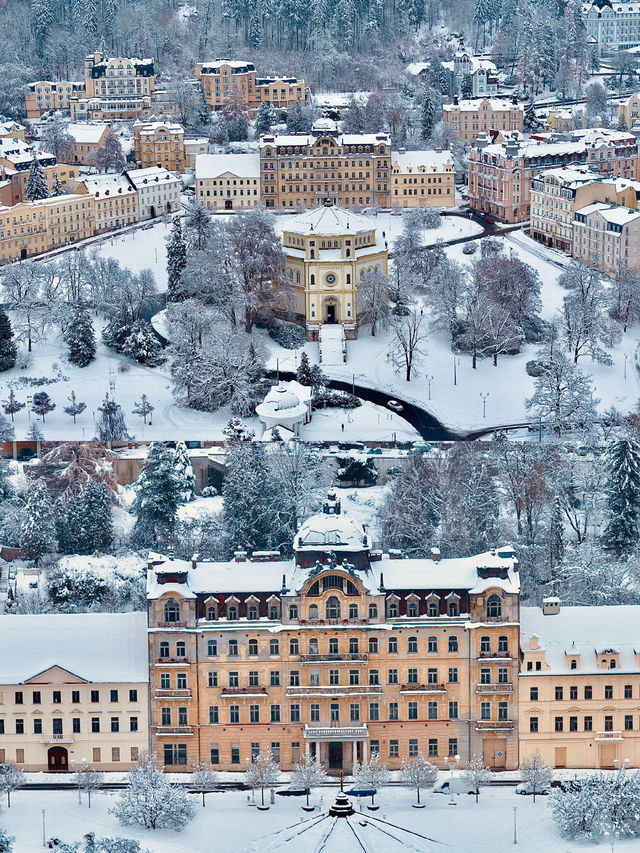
[515,824]
[429,381]
[452,765]
[484,403]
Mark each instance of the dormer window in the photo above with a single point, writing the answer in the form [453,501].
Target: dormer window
[211,613]
[573,664]
[172,611]
[232,613]
[494,606]
[252,612]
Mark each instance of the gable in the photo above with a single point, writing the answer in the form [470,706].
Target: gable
[56,675]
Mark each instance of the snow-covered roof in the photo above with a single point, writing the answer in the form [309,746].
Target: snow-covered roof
[571,176]
[582,141]
[18,152]
[103,185]
[327,220]
[233,63]
[406,161]
[214,165]
[148,128]
[85,132]
[474,105]
[592,629]
[328,530]
[99,647]
[302,139]
[151,175]
[281,400]
[611,213]
[415,68]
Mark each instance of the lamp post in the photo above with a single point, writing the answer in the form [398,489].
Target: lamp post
[455,375]
[429,381]
[452,765]
[484,403]
[515,824]
[44,831]
[626,356]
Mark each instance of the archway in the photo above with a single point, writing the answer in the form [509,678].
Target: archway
[331,310]
[58,759]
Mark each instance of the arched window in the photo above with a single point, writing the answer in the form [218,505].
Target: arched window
[253,647]
[432,608]
[181,649]
[612,664]
[412,610]
[453,644]
[485,644]
[312,278]
[171,611]
[393,645]
[333,607]
[413,645]
[574,663]
[433,644]
[373,645]
[273,611]
[354,646]
[274,647]
[353,611]
[164,649]
[494,606]
[503,643]
[313,611]
[294,646]
[452,608]
[373,611]
[313,646]
[252,613]
[211,613]
[392,609]
[232,613]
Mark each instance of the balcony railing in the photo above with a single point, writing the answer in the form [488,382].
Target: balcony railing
[172,660]
[349,658]
[171,625]
[422,688]
[244,691]
[57,739]
[334,731]
[168,693]
[608,736]
[336,690]
[502,687]
[494,656]
[174,730]
[494,725]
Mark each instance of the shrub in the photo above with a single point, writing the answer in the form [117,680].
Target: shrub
[288,335]
[536,368]
[327,398]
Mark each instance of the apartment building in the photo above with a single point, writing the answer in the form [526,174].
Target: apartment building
[469,118]
[115,201]
[500,176]
[158,191]
[483,73]
[629,111]
[608,236]
[31,228]
[157,143]
[612,26]
[87,138]
[422,178]
[580,685]
[193,148]
[16,157]
[556,195]
[339,652]
[305,169]
[47,95]
[73,688]
[118,77]
[12,130]
[228,181]
[225,78]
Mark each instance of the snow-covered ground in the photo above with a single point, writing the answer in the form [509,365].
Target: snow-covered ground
[466,828]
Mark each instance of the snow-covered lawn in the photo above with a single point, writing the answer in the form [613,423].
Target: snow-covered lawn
[229,825]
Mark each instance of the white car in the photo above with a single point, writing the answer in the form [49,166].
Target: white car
[395,405]
[459,787]
[526,788]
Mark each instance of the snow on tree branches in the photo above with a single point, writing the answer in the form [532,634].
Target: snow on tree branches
[149,800]
[416,772]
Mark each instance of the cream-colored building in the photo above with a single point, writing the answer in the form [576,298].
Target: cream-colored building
[45,95]
[158,191]
[470,117]
[193,148]
[228,181]
[12,130]
[87,138]
[328,252]
[225,78]
[73,688]
[580,685]
[117,78]
[158,143]
[422,178]
[31,228]
[608,236]
[629,111]
[115,201]
[16,157]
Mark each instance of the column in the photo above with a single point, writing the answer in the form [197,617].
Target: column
[365,746]
[354,747]
[307,748]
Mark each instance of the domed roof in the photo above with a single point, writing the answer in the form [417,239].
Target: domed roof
[285,399]
[325,123]
[331,531]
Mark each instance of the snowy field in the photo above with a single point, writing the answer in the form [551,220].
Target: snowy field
[466,828]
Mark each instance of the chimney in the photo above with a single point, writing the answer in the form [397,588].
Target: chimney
[194,561]
[240,556]
[395,554]
[435,555]
[551,606]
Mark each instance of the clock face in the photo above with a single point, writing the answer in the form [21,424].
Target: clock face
[330,278]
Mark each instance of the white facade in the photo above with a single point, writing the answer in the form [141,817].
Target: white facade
[158,191]
[613,25]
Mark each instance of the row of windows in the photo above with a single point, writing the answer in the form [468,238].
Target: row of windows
[587,723]
[334,677]
[56,696]
[96,755]
[276,715]
[334,646]
[587,692]
[57,725]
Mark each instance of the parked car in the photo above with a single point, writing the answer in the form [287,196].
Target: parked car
[526,788]
[395,405]
[459,787]
[489,220]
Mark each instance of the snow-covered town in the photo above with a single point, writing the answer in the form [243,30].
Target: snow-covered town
[319,426]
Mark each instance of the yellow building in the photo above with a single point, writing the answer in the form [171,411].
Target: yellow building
[12,130]
[422,178]
[46,95]
[629,111]
[225,78]
[115,201]
[305,169]
[228,181]
[328,252]
[339,652]
[31,228]
[556,195]
[64,700]
[469,118]
[157,143]
[16,157]
[117,78]
[580,685]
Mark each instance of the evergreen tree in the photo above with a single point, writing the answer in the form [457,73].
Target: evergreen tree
[36,187]
[304,375]
[265,119]
[622,531]
[96,511]
[111,425]
[176,262]
[38,528]
[184,472]
[530,121]
[428,117]
[158,495]
[80,337]
[143,408]
[56,188]
[202,107]
[143,345]
[466,86]
[250,502]
[8,349]
[11,406]
[556,538]
[42,404]
[75,407]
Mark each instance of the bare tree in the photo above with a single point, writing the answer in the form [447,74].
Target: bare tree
[408,345]
[203,779]
[474,339]
[372,774]
[11,778]
[417,773]
[536,772]
[563,398]
[88,780]
[477,773]
[262,773]
[373,301]
[503,333]
[308,774]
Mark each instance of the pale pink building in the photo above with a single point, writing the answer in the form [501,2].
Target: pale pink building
[608,236]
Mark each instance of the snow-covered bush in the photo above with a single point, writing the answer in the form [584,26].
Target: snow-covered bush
[535,367]
[327,398]
[417,773]
[288,335]
[149,799]
[6,842]
[209,492]
[598,805]
[108,582]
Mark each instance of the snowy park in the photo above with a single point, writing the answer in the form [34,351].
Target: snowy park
[237,827]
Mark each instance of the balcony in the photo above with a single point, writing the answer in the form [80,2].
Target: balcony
[494,656]
[56,739]
[350,658]
[607,737]
[335,690]
[244,691]
[172,661]
[171,625]
[334,731]
[494,725]
[173,730]
[422,688]
[503,687]
[168,693]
